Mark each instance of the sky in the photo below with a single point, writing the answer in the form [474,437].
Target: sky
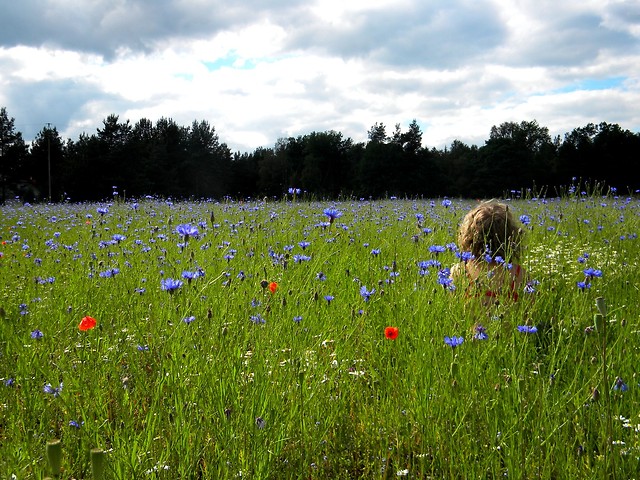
[260,70]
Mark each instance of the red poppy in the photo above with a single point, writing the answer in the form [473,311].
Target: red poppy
[273,286]
[87,323]
[391,333]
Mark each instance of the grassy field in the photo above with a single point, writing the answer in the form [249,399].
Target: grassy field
[249,340]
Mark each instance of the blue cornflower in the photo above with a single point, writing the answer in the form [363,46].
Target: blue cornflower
[526,219]
[437,249]
[620,385]
[297,318]
[423,271]
[9,382]
[444,279]
[366,294]
[592,272]
[143,348]
[257,319]
[118,238]
[332,213]
[329,298]
[170,285]
[187,230]
[304,244]
[276,257]
[189,275]
[466,256]
[446,203]
[51,390]
[530,286]
[583,285]
[429,264]
[527,329]
[75,424]
[37,334]
[321,276]
[480,332]
[112,272]
[453,342]
[188,320]
[294,191]
[102,211]
[301,258]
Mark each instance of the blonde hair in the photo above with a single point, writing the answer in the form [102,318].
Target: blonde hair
[491,229]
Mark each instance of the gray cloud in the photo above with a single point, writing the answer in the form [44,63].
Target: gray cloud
[105,26]
[430,34]
[427,33]
[624,16]
[576,40]
[58,102]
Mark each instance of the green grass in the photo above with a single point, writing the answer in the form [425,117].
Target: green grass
[328,396]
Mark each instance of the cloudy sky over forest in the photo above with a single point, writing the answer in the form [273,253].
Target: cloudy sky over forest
[258,70]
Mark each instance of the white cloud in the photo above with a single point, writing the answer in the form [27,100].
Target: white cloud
[37,64]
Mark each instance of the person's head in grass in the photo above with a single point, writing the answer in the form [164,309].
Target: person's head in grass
[490,245]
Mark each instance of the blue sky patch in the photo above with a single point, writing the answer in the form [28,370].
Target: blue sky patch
[593,84]
[230,62]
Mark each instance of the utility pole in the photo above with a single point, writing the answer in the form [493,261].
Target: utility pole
[49,156]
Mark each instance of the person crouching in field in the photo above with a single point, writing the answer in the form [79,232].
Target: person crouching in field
[490,246]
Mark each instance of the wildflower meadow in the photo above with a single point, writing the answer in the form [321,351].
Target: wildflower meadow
[297,338]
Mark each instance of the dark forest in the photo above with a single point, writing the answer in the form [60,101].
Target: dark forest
[170,160]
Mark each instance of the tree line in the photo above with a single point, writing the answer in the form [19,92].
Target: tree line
[170,160]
